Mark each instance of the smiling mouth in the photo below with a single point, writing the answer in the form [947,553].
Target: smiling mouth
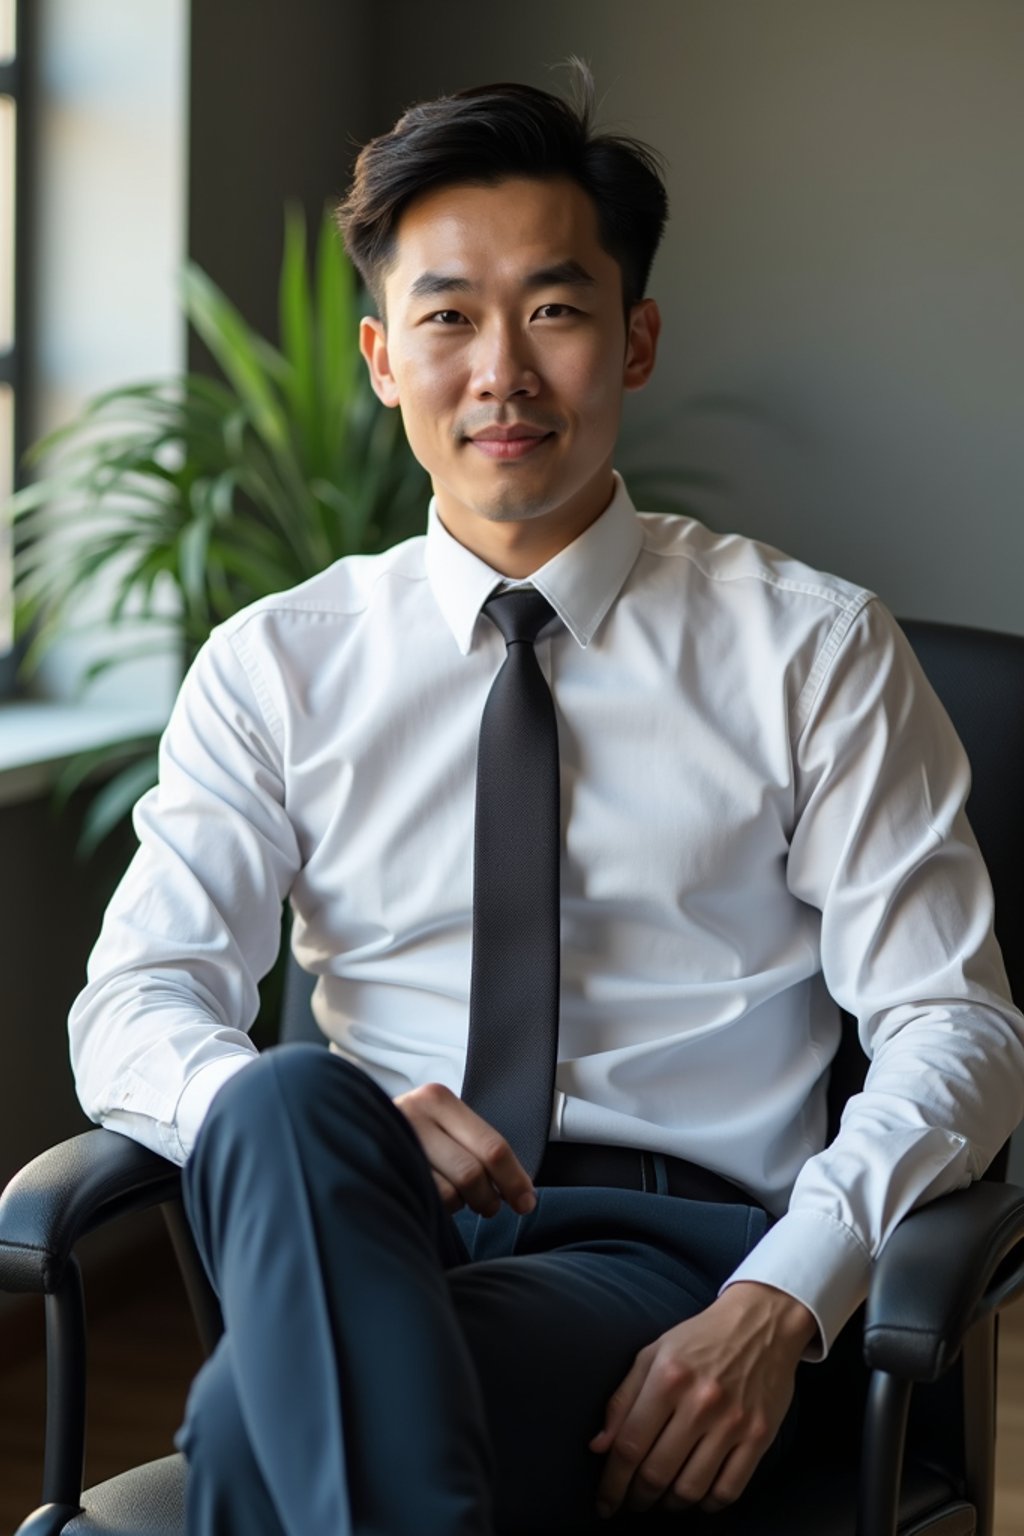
[509,448]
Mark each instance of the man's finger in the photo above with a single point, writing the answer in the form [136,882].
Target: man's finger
[622,1400]
[450,1197]
[718,1468]
[464,1149]
[499,1162]
[457,1167]
[684,1465]
[637,1433]
[699,1474]
[735,1474]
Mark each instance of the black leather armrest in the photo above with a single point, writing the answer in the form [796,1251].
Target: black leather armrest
[946,1265]
[67,1191]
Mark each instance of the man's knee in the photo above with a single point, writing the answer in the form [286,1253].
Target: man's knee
[298,1077]
[295,1105]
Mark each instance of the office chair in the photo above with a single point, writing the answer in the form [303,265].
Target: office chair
[900,1420]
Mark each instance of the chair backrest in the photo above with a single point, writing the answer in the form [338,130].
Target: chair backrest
[979,676]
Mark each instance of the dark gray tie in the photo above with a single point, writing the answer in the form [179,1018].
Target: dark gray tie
[513,1008]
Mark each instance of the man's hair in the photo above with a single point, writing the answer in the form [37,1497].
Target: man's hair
[484,136]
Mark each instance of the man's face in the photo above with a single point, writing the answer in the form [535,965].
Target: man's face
[507,350]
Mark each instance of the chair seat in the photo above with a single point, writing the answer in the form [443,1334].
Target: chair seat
[150,1501]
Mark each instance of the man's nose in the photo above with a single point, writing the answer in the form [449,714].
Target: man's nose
[503,365]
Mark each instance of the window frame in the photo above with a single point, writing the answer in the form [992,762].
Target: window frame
[15,364]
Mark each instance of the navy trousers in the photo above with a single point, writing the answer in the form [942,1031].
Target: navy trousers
[388,1368]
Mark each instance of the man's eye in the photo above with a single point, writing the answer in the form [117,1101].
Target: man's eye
[556,311]
[447,317]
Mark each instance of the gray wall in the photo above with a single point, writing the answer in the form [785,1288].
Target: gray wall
[845,259]
[279,103]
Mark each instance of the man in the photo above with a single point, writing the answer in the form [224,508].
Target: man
[760,799]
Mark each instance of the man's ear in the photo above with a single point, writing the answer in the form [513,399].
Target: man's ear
[373,344]
[642,333]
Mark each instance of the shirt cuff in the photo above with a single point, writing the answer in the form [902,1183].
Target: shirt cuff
[199,1093]
[818,1261]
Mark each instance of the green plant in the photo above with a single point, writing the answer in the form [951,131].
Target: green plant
[190,497]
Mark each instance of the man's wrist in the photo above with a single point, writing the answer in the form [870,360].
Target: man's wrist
[792,1322]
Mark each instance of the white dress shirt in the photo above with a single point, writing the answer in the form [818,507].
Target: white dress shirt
[762,806]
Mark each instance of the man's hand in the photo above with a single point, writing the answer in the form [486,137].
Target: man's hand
[703,1403]
[472,1163]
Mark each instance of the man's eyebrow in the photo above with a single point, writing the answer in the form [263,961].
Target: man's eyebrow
[429,284]
[564,274]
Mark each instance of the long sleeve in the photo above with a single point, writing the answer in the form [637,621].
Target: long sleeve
[196,920]
[883,849]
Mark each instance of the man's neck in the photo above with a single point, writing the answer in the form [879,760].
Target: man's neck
[517,549]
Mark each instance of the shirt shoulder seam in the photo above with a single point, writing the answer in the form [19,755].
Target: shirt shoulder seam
[826,656]
[235,633]
[242,651]
[854,601]
[283,603]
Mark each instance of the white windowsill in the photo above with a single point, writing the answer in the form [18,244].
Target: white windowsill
[37,738]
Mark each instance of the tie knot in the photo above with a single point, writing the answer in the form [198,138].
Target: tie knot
[520,614]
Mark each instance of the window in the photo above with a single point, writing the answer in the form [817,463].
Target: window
[11,305]
[103,89]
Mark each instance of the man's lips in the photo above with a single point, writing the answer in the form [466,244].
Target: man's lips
[509,442]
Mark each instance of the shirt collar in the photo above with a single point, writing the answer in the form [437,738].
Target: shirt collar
[581,582]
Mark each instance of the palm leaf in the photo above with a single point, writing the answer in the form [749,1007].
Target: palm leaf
[297,332]
[223,489]
[238,351]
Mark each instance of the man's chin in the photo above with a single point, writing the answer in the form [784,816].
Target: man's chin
[513,512]
[511,503]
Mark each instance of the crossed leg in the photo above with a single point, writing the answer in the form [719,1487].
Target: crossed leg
[386,1368]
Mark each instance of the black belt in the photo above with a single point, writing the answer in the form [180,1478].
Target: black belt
[585,1162]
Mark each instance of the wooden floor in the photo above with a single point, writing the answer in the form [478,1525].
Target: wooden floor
[129,1426]
[1010,1424]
